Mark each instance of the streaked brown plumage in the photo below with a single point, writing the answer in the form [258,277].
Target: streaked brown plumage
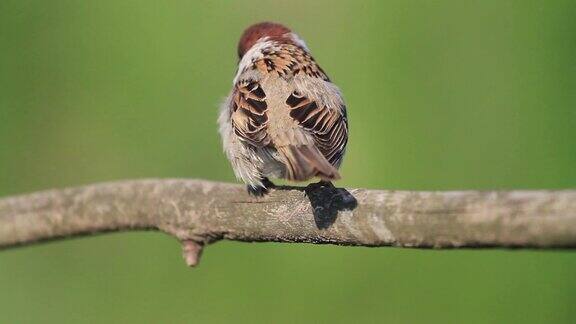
[284,118]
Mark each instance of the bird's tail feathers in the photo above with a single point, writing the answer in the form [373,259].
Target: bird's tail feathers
[306,161]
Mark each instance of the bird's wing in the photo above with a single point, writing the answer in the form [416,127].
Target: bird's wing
[248,113]
[328,126]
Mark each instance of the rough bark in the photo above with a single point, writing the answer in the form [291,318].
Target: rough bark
[201,212]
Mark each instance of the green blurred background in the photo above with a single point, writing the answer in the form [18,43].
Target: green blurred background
[441,95]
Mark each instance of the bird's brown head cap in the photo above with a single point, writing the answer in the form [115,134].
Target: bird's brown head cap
[264,29]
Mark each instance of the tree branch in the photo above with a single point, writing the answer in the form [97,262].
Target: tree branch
[201,212]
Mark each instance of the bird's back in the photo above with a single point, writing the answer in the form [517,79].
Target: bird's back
[285,109]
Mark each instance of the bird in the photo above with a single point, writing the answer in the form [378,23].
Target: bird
[283,118]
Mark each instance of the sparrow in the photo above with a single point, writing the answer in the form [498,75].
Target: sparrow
[284,118]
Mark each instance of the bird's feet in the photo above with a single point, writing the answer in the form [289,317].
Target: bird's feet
[261,191]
